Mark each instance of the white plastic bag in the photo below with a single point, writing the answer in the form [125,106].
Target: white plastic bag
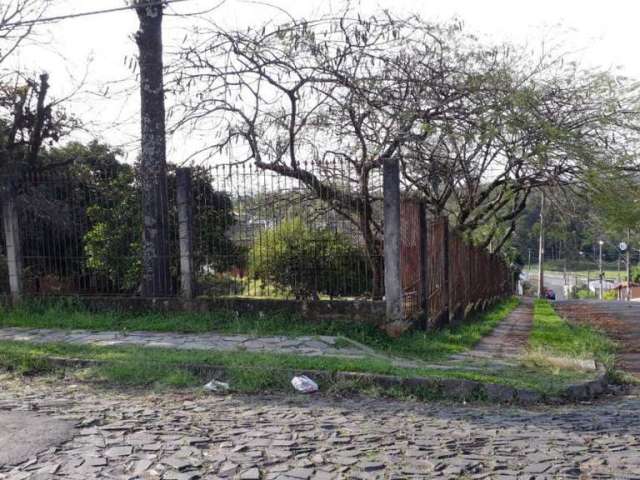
[304,384]
[216,386]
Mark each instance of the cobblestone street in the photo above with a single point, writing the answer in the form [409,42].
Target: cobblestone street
[189,436]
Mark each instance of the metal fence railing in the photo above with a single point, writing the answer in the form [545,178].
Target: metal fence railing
[442,275]
[235,230]
[253,232]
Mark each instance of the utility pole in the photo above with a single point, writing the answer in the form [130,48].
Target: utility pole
[529,264]
[541,250]
[628,265]
[600,243]
[619,258]
[563,255]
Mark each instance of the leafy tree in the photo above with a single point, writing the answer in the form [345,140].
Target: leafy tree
[309,261]
[616,201]
[53,203]
[113,242]
[635,274]
[81,221]
[113,245]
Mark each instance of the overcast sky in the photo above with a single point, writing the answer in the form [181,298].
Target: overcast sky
[600,33]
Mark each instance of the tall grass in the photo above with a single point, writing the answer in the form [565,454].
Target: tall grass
[553,335]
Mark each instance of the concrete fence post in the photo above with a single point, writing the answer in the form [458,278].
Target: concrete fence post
[12,242]
[392,272]
[185,231]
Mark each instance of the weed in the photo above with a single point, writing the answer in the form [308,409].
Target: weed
[552,336]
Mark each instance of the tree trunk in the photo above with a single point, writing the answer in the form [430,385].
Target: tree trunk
[377,274]
[156,281]
[42,112]
[373,252]
[372,244]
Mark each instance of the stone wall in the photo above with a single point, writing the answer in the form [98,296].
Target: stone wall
[354,310]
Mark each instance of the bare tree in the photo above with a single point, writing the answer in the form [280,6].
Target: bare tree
[549,124]
[476,127]
[156,279]
[17,20]
[308,97]
[28,119]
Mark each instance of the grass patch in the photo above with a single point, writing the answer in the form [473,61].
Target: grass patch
[427,346]
[246,372]
[263,372]
[440,344]
[555,337]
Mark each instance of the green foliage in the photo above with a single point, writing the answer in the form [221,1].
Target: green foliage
[585,293]
[635,274]
[113,244]
[444,342]
[309,261]
[617,200]
[253,372]
[264,372]
[221,284]
[86,212]
[54,209]
[432,345]
[575,223]
[556,336]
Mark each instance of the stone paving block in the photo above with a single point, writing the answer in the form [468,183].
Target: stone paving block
[326,438]
[122,451]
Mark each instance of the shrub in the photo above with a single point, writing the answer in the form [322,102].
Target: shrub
[216,284]
[309,261]
[113,244]
[584,293]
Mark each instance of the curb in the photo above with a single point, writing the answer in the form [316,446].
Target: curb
[451,388]
[462,389]
[591,389]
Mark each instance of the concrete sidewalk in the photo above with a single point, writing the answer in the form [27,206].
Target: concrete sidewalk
[509,339]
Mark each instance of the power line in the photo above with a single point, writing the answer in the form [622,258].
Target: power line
[35,21]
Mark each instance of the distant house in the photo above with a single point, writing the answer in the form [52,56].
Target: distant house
[594,286]
[621,290]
